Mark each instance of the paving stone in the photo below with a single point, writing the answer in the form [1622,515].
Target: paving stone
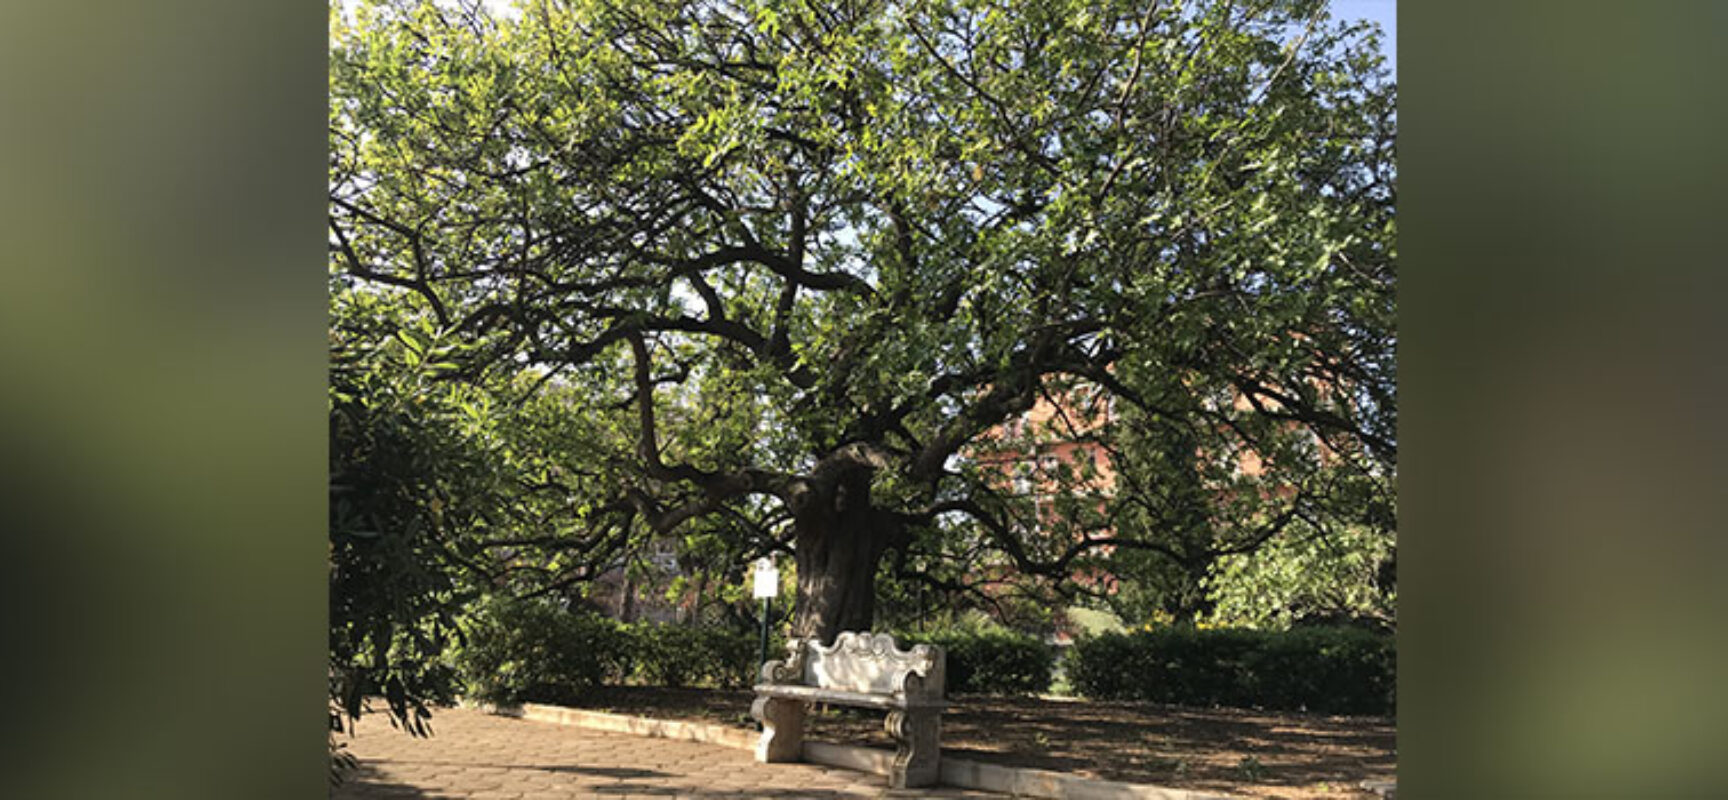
[480,756]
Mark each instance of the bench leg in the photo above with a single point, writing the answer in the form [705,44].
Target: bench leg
[782,728]
[917,759]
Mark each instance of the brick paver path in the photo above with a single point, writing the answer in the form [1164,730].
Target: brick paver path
[485,757]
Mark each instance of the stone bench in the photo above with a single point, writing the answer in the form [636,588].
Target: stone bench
[862,670]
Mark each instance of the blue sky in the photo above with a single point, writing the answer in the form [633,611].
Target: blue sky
[1384,12]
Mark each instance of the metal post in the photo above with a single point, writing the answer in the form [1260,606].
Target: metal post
[920,607]
[767,604]
[766,585]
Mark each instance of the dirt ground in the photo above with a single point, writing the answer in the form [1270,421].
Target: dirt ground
[1246,753]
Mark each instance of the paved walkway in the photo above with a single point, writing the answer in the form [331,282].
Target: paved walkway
[485,757]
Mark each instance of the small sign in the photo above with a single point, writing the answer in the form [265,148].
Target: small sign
[767,579]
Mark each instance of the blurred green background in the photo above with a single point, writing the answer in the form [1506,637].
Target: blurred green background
[161,398]
[1562,602]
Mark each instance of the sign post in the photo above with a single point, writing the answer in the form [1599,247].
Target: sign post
[767,586]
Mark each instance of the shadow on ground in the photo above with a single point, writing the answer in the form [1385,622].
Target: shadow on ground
[364,782]
[595,772]
[1247,752]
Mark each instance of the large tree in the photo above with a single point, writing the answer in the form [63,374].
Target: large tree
[799,259]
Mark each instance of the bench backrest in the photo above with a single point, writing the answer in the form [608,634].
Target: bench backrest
[864,662]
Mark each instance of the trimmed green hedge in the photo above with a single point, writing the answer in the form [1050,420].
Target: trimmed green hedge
[1331,670]
[535,652]
[675,655]
[530,651]
[990,661]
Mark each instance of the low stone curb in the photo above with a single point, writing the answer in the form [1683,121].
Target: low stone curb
[1016,781]
[1383,788]
[622,723]
[1025,782]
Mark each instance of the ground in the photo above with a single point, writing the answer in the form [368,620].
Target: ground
[1248,753]
[474,755]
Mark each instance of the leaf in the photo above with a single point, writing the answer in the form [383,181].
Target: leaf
[565,184]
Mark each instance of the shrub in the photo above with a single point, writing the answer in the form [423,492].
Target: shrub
[990,661]
[533,651]
[1333,670]
[675,655]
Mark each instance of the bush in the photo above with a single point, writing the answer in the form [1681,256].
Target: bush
[1332,670]
[521,651]
[675,655]
[990,661]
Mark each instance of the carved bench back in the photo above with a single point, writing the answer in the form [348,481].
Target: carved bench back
[864,662]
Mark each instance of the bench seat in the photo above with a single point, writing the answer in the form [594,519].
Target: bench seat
[814,694]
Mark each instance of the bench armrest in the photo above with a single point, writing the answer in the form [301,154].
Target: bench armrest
[787,670]
[908,683]
[925,681]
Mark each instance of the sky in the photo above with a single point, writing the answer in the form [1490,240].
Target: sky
[1384,12]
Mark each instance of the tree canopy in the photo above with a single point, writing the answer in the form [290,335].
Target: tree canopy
[790,266]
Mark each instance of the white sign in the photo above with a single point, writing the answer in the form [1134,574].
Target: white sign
[767,579]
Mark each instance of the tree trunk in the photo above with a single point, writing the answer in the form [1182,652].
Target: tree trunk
[840,540]
[627,598]
[1190,602]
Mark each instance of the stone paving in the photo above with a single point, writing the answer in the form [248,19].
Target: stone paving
[481,756]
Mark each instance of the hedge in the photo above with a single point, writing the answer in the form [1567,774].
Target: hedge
[533,651]
[1331,670]
[524,651]
[990,661]
[676,655]
[530,651]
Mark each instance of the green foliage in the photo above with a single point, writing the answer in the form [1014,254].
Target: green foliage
[679,655]
[410,485]
[990,661]
[440,489]
[1307,575]
[1333,670]
[521,651]
[342,760]
[1251,769]
[754,247]
[536,651]
[1228,539]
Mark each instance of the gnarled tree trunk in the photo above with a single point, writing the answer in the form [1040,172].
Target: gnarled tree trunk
[840,540]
